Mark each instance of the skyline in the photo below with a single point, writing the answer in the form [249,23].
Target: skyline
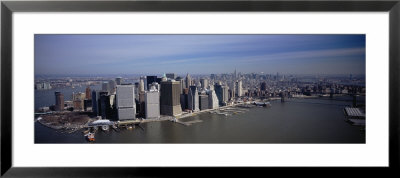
[198,54]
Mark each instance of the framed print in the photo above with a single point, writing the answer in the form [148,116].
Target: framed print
[103,88]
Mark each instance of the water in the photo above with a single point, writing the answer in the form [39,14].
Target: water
[295,121]
[47,98]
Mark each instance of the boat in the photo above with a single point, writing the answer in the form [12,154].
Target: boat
[90,137]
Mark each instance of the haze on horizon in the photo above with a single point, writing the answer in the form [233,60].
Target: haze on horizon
[198,54]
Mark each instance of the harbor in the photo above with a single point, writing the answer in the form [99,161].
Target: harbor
[252,124]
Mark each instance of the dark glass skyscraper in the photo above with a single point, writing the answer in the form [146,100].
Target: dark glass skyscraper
[170,98]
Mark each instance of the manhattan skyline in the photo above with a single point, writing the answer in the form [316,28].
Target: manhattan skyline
[198,54]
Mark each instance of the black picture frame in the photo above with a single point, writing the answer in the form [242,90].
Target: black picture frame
[8,7]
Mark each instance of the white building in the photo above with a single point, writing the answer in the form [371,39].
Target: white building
[125,102]
[213,102]
[152,103]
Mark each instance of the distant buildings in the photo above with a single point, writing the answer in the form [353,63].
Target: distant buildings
[59,106]
[88,93]
[125,102]
[171,75]
[105,87]
[170,98]
[43,86]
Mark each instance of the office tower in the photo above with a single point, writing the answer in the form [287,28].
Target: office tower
[239,89]
[88,93]
[95,102]
[182,81]
[141,84]
[104,104]
[152,106]
[235,75]
[171,76]
[188,81]
[78,100]
[170,98]
[59,106]
[203,102]
[156,85]
[222,93]
[105,87]
[119,81]
[141,104]
[204,83]
[111,84]
[232,89]
[184,99]
[150,80]
[125,102]
[212,100]
[193,99]
[263,86]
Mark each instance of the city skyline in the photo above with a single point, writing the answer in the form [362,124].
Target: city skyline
[198,54]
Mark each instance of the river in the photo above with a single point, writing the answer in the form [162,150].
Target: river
[295,121]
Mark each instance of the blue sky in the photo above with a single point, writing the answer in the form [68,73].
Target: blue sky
[198,54]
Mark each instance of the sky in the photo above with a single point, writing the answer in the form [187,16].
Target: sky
[198,54]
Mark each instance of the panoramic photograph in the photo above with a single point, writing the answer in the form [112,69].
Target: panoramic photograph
[199,89]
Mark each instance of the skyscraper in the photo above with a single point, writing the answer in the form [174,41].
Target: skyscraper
[203,102]
[204,83]
[222,93]
[119,81]
[170,98]
[193,99]
[125,102]
[212,100]
[141,84]
[95,102]
[105,87]
[111,86]
[88,93]
[152,103]
[239,89]
[188,81]
[59,106]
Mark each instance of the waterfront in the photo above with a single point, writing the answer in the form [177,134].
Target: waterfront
[295,121]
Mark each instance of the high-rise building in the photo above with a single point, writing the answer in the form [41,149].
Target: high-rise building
[171,75]
[152,103]
[105,87]
[170,98]
[141,84]
[119,81]
[212,100]
[112,84]
[239,88]
[104,104]
[203,102]
[78,100]
[182,81]
[88,93]
[204,83]
[95,102]
[222,93]
[188,81]
[59,106]
[193,99]
[125,102]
